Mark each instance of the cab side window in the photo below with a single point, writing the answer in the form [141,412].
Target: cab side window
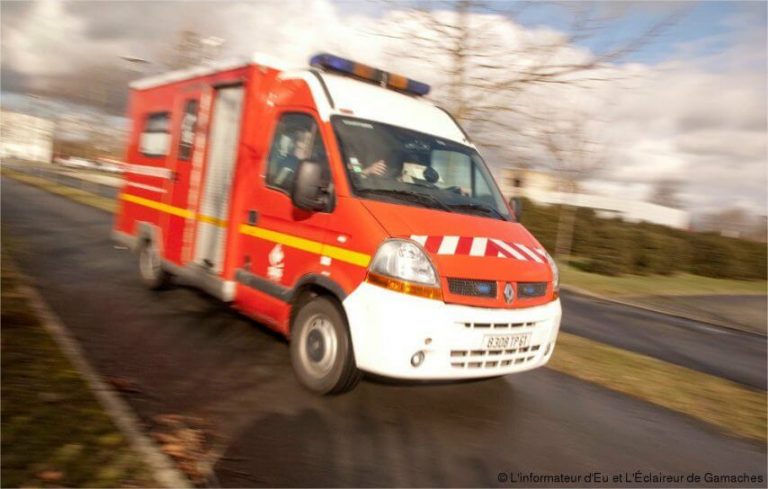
[156,134]
[297,138]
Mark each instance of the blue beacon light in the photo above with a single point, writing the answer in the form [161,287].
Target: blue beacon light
[390,80]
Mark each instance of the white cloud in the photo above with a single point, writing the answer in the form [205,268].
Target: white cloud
[701,120]
[41,40]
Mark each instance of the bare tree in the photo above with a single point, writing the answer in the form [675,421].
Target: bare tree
[759,230]
[666,192]
[191,48]
[735,222]
[488,67]
[506,84]
[576,152]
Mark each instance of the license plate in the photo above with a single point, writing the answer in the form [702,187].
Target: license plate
[506,342]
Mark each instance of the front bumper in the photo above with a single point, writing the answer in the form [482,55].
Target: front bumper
[388,328]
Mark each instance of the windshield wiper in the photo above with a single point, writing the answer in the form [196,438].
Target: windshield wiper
[480,207]
[417,197]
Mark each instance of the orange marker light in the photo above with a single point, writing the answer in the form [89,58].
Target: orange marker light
[404,287]
[398,81]
[364,71]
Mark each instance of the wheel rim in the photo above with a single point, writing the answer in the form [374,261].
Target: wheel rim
[148,263]
[318,346]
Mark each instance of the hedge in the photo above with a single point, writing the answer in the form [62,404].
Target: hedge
[614,247]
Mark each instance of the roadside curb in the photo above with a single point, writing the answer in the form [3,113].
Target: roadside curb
[163,469]
[592,295]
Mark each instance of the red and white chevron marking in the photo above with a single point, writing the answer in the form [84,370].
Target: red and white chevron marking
[478,246]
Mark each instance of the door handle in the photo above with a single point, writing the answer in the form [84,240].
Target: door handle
[253,217]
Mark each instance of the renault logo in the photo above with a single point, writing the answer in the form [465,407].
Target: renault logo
[509,293]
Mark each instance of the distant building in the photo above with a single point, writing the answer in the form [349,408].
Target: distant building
[543,188]
[89,135]
[25,137]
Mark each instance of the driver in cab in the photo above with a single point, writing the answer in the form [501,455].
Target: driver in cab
[390,166]
[292,150]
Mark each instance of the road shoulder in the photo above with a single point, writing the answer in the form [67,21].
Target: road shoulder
[47,378]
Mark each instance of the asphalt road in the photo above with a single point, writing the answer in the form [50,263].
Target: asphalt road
[188,354]
[730,354]
[718,351]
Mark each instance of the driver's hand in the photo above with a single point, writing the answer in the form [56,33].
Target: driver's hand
[378,168]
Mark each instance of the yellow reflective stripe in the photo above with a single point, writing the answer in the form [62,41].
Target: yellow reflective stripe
[316,247]
[153,204]
[348,256]
[176,211]
[222,223]
[284,239]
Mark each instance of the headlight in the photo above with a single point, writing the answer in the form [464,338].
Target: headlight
[555,273]
[402,266]
[404,260]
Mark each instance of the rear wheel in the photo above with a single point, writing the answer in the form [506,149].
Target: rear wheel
[151,268]
[321,349]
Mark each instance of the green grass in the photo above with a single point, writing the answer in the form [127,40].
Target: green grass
[637,285]
[54,432]
[81,196]
[732,407]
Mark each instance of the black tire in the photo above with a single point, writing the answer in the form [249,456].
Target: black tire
[321,349]
[150,267]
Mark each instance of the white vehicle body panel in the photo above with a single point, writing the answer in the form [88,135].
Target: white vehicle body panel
[369,101]
[388,328]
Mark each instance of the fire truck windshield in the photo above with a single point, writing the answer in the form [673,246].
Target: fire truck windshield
[395,164]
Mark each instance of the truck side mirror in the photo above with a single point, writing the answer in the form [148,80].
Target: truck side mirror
[310,191]
[516,203]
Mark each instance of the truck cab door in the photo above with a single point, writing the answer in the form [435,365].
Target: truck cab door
[283,243]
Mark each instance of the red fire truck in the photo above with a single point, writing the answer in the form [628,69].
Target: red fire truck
[338,207]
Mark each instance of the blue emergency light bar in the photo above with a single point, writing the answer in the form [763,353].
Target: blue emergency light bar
[368,73]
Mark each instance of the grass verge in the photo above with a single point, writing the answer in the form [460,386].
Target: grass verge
[81,196]
[737,304]
[639,285]
[727,405]
[54,432]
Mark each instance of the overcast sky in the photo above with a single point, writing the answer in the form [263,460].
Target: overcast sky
[692,106]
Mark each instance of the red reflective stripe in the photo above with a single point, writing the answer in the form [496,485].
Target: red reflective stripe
[492,249]
[433,243]
[465,244]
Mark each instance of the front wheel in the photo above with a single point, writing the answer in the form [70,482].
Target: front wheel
[321,349]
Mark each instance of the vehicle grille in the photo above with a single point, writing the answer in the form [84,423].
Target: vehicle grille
[493,358]
[474,288]
[527,290]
